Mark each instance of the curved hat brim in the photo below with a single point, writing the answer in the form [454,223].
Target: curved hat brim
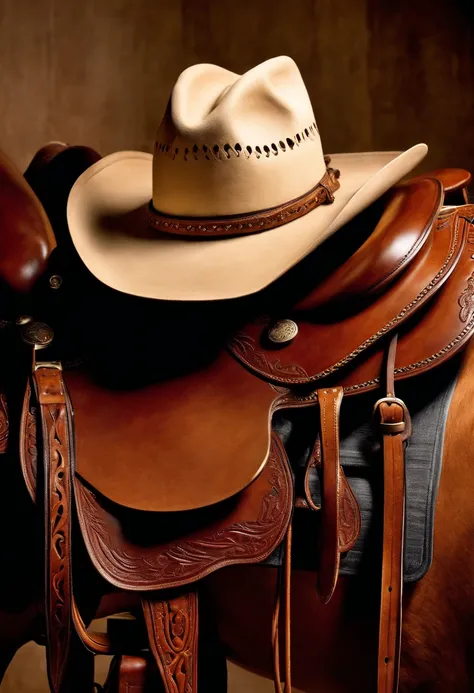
[108,221]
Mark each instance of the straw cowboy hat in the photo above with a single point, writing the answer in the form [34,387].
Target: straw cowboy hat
[237,190]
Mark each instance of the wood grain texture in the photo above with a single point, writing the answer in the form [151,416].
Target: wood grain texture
[381,75]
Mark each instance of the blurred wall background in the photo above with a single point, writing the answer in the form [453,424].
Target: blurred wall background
[381,74]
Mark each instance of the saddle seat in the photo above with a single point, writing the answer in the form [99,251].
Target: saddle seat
[179,426]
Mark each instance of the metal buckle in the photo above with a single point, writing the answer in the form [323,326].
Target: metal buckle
[392,428]
[47,364]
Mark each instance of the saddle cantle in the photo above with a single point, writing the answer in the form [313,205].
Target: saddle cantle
[156,424]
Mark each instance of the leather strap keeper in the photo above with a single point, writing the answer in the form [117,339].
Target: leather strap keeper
[254,222]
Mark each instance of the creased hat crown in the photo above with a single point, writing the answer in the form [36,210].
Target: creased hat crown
[234,144]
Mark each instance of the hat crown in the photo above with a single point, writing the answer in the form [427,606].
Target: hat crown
[231,144]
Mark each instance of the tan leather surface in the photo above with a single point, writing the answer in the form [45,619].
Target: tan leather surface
[26,238]
[404,226]
[196,439]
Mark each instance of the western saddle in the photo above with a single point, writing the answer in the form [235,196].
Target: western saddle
[151,423]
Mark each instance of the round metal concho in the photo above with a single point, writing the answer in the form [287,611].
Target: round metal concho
[55,281]
[37,334]
[283,332]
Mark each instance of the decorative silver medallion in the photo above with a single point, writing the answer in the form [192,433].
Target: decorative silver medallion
[55,281]
[283,332]
[38,334]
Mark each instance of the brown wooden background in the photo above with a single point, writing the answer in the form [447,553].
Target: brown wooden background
[382,74]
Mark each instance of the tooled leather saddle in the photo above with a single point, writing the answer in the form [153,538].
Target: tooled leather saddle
[151,423]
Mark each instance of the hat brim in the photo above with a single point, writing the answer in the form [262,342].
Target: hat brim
[108,220]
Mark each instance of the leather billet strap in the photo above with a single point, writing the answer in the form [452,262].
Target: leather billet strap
[253,222]
[394,426]
[172,623]
[56,417]
[329,400]
[283,594]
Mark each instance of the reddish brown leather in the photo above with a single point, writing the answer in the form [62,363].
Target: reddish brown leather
[404,226]
[186,546]
[57,465]
[28,443]
[172,625]
[254,222]
[26,238]
[452,179]
[330,400]
[349,511]
[41,159]
[4,424]
[152,551]
[200,438]
[392,553]
[132,674]
[434,335]
[327,343]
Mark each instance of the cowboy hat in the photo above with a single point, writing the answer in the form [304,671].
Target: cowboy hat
[237,191]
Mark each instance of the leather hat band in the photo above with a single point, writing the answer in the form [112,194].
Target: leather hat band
[255,222]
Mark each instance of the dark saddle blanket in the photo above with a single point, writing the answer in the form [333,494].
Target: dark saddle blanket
[428,400]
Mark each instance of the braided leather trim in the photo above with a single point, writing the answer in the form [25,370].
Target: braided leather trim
[255,222]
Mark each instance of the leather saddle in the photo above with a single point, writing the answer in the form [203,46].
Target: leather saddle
[153,421]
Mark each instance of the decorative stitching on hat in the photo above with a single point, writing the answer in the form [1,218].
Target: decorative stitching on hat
[227,151]
[253,222]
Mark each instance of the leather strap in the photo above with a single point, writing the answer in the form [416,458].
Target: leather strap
[349,511]
[253,222]
[57,466]
[329,408]
[172,625]
[283,594]
[395,427]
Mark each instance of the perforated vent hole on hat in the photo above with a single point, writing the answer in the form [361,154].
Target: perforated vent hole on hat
[225,152]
